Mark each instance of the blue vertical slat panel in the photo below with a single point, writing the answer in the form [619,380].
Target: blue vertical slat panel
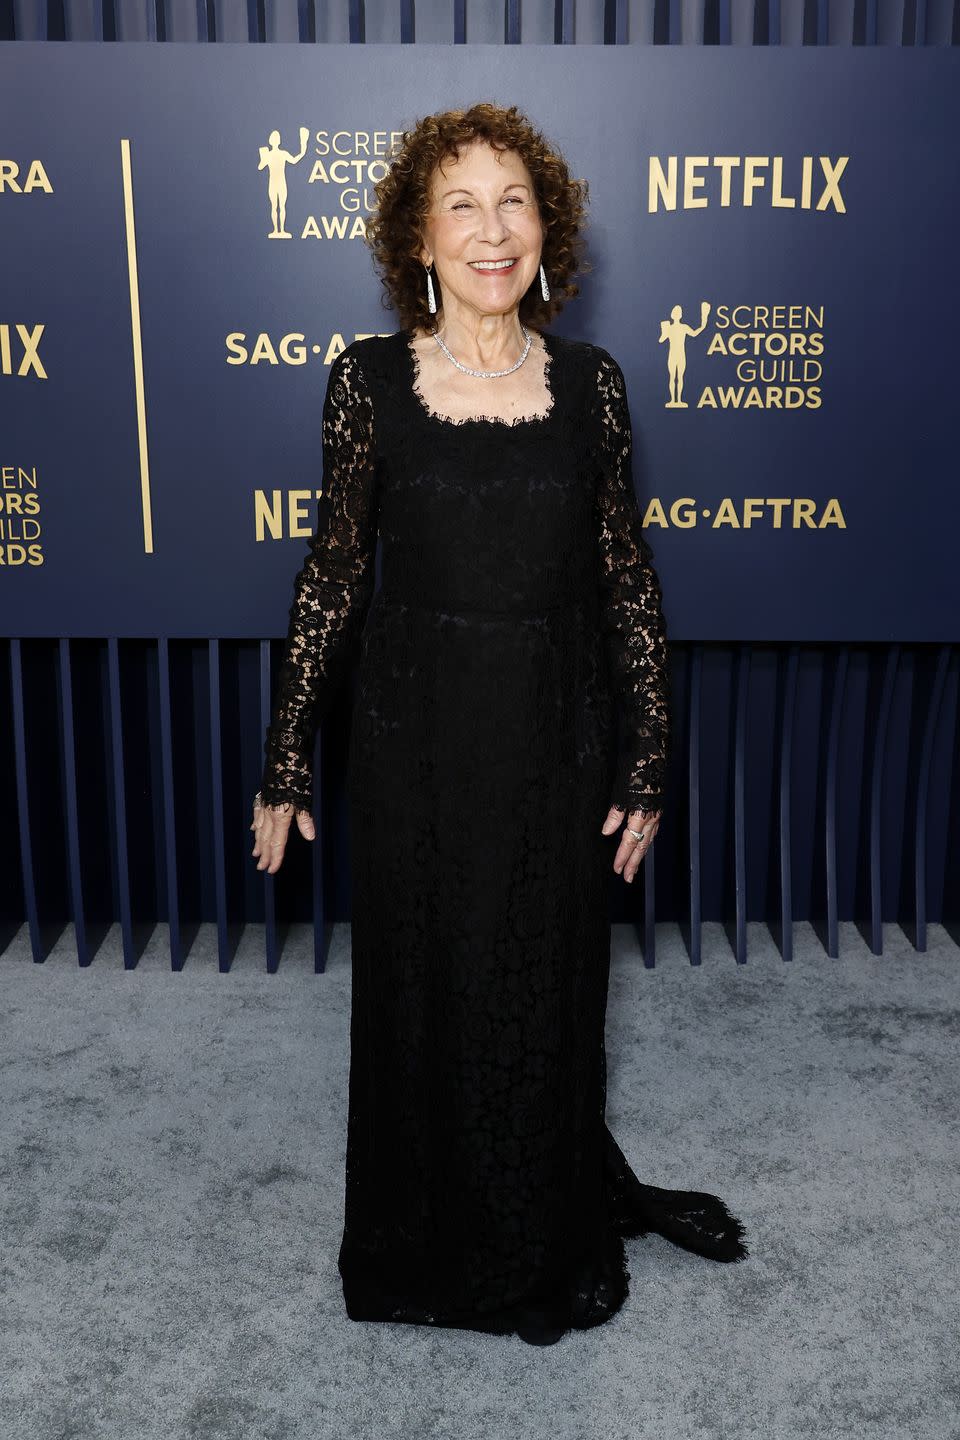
[357,22]
[152,747]
[868,19]
[742,22]
[284,21]
[120,805]
[69,751]
[791,23]
[381,22]
[940,19]
[621,22]
[435,21]
[224,947]
[83,19]
[842,22]
[135,19]
[877,819]
[169,807]
[831,939]
[30,19]
[408,23]
[331,22]
[806,795]
[774,29]
[565,27]
[271,939]
[37,940]
[945,871]
[724,22]
[788,701]
[741,698]
[691,21]
[911,687]
[232,22]
[248,741]
[482,22]
[185,21]
[890,18]
[853,868]
[511,29]
[693,776]
[921,818]
[914,23]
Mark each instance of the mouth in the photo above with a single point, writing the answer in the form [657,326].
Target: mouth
[494,267]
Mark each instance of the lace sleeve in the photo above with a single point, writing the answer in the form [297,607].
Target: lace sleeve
[632,617]
[332,590]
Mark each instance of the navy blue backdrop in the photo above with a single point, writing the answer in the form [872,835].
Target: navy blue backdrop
[166,361]
[815,669]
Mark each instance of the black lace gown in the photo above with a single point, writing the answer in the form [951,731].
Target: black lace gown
[518,619]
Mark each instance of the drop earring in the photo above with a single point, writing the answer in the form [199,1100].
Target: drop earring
[544,287]
[431,298]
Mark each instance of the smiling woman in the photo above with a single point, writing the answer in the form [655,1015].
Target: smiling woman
[488,786]
[483,238]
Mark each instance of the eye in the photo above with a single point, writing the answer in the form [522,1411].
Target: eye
[465,204]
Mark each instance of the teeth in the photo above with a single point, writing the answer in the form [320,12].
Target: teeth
[491,264]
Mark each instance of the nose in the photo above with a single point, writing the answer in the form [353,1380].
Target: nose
[493,226]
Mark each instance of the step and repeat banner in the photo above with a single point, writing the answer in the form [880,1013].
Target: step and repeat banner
[773,235]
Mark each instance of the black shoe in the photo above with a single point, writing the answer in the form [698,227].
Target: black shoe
[541,1334]
[536,1329]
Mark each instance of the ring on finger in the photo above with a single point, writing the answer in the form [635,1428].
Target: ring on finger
[637,834]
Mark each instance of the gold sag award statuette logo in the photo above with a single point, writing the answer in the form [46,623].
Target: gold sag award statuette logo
[275,160]
[676,331]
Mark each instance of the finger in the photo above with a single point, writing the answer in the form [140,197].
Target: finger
[614,818]
[632,850]
[639,852]
[272,848]
[271,840]
[628,842]
[305,825]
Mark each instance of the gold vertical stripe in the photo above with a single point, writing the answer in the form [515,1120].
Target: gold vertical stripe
[137,346]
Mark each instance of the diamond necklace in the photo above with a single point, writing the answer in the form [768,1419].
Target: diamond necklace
[489,374]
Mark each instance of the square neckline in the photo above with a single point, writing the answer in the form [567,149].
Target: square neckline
[413,366]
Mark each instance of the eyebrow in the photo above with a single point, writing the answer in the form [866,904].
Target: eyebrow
[515,185]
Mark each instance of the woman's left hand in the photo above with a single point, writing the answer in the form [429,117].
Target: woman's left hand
[631,851]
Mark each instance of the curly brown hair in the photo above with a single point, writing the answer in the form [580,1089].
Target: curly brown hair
[394,228]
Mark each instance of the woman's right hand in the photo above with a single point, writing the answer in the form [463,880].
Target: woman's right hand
[271,826]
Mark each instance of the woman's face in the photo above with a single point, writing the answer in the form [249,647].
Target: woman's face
[483,209]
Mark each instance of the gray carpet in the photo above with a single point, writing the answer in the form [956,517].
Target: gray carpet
[172,1159]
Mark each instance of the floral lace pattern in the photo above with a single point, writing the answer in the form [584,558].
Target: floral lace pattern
[332,590]
[517,622]
[632,615]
